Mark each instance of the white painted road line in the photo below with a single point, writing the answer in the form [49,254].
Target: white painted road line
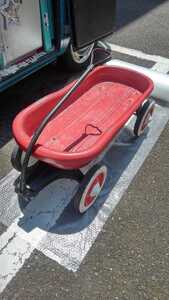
[13,253]
[27,230]
[68,238]
[161,67]
[139,54]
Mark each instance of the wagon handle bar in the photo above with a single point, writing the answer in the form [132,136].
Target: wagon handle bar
[38,131]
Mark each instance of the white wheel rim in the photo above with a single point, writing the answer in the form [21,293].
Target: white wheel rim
[93,189]
[146,119]
[81,55]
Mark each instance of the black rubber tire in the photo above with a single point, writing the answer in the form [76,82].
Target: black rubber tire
[140,115]
[85,181]
[70,64]
[16,158]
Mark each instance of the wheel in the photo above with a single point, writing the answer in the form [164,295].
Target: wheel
[90,188]
[77,60]
[144,116]
[17,159]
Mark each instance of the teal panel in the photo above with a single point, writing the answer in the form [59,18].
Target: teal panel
[2,63]
[45,19]
[51,20]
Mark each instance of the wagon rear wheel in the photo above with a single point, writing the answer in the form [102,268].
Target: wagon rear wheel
[144,117]
[90,188]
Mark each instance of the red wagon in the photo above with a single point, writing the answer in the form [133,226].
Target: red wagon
[82,128]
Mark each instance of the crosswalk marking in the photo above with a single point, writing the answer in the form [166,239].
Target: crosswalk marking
[30,226]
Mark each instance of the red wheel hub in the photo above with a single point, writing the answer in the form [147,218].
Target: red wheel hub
[94,189]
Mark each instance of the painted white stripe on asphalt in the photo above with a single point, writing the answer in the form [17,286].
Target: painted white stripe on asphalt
[28,229]
[13,253]
[139,54]
[161,67]
[9,204]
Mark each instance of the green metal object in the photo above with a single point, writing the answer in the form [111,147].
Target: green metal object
[51,18]
[46,26]
[2,62]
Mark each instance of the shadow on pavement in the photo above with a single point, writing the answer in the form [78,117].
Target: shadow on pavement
[68,220]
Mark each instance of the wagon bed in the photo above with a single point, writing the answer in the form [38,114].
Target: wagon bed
[87,122]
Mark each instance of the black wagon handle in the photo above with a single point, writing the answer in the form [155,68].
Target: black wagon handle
[49,116]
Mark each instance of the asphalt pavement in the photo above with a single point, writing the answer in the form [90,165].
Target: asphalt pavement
[143,25]
[130,258]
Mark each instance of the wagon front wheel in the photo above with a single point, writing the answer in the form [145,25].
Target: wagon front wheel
[90,188]
[144,117]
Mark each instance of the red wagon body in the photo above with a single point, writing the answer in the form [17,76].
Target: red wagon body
[88,121]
